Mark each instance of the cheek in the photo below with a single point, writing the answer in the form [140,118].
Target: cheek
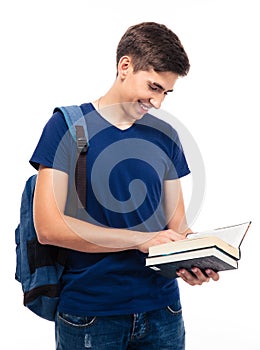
[135,89]
[134,86]
[131,93]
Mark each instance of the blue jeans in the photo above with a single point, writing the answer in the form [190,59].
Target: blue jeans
[154,330]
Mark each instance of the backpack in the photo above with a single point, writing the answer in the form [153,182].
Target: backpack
[39,267]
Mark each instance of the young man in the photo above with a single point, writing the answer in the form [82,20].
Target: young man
[109,299]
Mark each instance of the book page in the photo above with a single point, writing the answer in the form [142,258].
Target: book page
[233,235]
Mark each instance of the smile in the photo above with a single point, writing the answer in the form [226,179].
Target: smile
[144,107]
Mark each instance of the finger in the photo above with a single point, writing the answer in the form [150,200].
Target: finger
[212,274]
[189,278]
[200,275]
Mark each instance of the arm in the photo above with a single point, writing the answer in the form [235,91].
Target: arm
[176,218]
[174,207]
[55,228]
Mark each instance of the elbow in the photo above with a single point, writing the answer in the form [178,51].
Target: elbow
[48,224]
[43,240]
[46,230]
[43,235]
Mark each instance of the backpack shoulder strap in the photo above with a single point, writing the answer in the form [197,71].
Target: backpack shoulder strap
[75,120]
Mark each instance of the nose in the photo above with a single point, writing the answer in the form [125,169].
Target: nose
[157,101]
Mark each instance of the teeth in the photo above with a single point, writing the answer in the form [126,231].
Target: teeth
[144,107]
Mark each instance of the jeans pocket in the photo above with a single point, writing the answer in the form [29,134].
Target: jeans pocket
[175,309]
[77,321]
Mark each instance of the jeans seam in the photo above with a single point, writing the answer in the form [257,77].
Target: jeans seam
[77,325]
[133,327]
[133,336]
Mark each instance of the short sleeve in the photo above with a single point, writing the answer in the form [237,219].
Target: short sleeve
[178,166]
[53,147]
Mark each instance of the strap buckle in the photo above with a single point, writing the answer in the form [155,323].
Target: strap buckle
[82,144]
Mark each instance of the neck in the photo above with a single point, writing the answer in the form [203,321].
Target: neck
[113,111]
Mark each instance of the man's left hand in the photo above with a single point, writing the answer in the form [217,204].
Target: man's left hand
[197,277]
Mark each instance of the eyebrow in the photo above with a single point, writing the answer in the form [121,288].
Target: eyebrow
[161,87]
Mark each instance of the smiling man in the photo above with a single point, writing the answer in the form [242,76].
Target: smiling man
[109,299]
[135,93]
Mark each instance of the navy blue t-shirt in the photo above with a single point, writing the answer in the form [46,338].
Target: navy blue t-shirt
[126,170]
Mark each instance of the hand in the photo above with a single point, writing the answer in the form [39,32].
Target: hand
[160,237]
[198,277]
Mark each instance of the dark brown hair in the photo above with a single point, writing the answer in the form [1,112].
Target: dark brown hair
[153,46]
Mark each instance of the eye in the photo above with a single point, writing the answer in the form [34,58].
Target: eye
[152,87]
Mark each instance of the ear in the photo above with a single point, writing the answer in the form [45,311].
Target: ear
[124,66]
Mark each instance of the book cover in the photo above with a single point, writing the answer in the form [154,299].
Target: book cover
[206,258]
[204,250]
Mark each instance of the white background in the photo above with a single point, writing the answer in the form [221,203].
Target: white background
[63,52]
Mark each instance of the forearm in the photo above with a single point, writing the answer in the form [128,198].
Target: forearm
[179,223]
[105,238]
[174,208]
[68,232]
[82,236]
[184,230]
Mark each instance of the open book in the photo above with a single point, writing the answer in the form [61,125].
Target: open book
[217,249]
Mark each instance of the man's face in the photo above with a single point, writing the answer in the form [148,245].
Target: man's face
[144,90]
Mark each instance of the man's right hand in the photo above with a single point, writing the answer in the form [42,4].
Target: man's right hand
[161,237]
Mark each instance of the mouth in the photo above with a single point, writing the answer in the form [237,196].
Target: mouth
[144,107]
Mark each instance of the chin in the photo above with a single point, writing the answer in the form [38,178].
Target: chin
[137,116]
[135,111]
